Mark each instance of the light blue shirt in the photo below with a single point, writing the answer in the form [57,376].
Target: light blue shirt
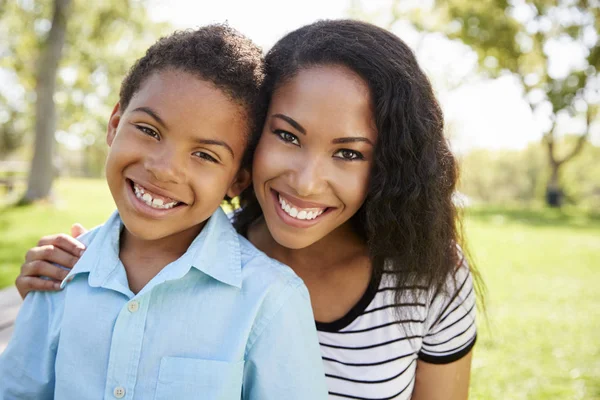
[224,321]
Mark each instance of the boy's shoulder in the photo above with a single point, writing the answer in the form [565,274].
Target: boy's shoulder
[257,267]
[88,237]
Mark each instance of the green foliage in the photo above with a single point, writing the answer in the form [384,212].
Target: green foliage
[519,176]
[581,178]
[103,40]
[506,176]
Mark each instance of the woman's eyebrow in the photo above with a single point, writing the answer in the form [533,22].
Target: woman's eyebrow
[290,121]
[353,139]
[153,114]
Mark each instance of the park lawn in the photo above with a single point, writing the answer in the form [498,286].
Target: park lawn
[87,201]
[542,269]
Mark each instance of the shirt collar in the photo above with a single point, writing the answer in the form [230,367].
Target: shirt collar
[215,252]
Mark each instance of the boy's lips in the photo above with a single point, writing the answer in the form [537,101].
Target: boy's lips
[154,192]
[150,203]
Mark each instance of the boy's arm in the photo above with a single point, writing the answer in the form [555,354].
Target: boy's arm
[284,360]
[27,364]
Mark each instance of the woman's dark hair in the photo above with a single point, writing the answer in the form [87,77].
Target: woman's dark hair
[216,53]
[408,220]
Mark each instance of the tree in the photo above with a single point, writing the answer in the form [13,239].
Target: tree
[102,40]
[41,173]
[521,37]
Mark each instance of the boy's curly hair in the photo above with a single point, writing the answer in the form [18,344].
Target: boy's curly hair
[216,53]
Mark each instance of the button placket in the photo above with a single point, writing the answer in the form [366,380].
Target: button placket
[126,344]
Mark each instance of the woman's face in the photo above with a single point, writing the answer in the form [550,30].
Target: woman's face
[312,165]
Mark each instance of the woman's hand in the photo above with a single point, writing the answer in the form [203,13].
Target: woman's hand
[60,249]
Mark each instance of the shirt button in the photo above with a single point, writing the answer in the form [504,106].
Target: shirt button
[133,306]
[119,392]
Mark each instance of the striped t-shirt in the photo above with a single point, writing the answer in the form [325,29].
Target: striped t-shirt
[371,354]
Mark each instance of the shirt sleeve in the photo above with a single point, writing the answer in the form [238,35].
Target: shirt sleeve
[27,364]
[451,329]
[284,358]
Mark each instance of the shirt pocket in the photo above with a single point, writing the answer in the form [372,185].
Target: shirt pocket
[189,378]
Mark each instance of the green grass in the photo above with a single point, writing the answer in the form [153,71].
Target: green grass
[78,200]
[542,269]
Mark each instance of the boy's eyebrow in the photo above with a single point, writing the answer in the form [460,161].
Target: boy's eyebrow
[353,139]
[290,121]
[153,114]
[215,142]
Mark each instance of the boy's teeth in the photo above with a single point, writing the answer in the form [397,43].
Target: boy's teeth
[302,214]
[147,198]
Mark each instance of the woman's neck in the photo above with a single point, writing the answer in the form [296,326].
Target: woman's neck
[336,269]
[320,257]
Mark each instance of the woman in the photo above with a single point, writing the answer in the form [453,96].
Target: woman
[352,188]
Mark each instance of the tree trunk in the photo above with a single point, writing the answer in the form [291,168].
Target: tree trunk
[42,173]
[554,193]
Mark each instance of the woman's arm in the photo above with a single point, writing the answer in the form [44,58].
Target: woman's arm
[443,381]
[40,272]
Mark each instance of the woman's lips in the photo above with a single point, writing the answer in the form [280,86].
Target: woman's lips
[298,213]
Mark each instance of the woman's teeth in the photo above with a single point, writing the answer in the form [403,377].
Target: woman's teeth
[147,198]
[307,213]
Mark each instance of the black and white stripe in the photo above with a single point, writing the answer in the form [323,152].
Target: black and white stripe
[370,354]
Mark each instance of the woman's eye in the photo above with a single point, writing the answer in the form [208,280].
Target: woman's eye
[148,131]
[287,137]
[205,156]
[346,154]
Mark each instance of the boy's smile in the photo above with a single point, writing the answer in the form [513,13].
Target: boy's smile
[175,153]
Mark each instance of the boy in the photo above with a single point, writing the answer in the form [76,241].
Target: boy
[168,302]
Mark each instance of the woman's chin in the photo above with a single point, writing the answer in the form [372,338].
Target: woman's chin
[294,241]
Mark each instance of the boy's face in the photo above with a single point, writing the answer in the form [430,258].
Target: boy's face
[175,151]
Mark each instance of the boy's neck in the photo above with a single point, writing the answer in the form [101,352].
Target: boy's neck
[144,259]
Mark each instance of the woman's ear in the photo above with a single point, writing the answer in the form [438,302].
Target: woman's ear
[242,180]
[113,123]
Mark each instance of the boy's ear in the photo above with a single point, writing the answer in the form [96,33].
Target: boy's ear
[113,123]
[242,181]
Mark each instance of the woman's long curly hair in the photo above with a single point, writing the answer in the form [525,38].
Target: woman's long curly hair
[408,220]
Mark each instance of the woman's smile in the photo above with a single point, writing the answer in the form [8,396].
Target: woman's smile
[296,212]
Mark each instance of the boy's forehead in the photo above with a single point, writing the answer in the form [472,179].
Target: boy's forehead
[185,102]
[173,87]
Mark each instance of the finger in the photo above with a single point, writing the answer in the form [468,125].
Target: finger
[77,230]
[65,242]
[38,268]
[51,254]
[26,284]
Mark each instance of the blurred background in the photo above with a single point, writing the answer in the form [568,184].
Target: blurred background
[520,87]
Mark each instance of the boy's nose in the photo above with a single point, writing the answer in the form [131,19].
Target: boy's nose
[165,167]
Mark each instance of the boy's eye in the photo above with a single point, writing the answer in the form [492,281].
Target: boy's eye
[148,131]
[205,156]
[287,137]
[347,154]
